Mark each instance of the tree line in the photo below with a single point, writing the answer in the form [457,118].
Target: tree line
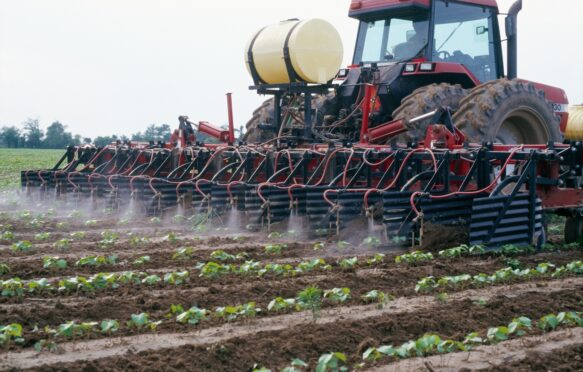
[56,136]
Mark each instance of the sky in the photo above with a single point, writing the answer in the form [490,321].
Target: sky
[105,67]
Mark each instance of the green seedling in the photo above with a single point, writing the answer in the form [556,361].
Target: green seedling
[11,333]
[310,299]
[296,365]
[337,295]
[109,238]
[151,279]
[90,223]
[171,237]
[319,245]
[54,263]
[192,316]
[142,320]
[22,246]
[376,260]
[274,248]
[176,278]
[183,253]
[12,287]
[7,236]
[371,241]
[73,329]
[497,334]
[142,260]
[213,270]
[281,304]
[548,322]
[333,362]
[138,240]
[442,297]
[47,345]
[221,255]
[230,313]
[42,236]
[63,244]
[39,285]
[379,297]
[109,326]
[78,235]
[518,325]
[4,269]
[414,258]
[348,263]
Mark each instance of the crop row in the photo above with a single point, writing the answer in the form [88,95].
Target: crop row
[430,344]
[214,269]
[311,298]
[431,283]
[108,239]
[15,287]
[418,257]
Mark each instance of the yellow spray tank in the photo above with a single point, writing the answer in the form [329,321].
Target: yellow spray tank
[309,51]
[574,130]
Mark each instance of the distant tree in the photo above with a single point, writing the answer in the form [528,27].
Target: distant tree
[163,132]
[33,133]
[56,136]
[151,133]
[102,141]
[77,139]
[138,137]
[10,136]
[87,140]
[154,133]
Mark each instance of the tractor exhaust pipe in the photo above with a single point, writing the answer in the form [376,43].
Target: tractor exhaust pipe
[512,36]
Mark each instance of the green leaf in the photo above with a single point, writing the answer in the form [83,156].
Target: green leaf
[298,363]
[109,326]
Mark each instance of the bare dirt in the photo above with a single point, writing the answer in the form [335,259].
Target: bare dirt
[273,339]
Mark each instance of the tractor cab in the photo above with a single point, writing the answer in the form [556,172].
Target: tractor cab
[441,31]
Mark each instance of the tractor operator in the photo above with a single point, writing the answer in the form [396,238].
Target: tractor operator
[415,45]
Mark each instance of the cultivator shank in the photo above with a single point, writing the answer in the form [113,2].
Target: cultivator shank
[494,192]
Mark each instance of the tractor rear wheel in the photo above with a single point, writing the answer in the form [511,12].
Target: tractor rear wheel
[322,105]
[508,112]
[573,229]
[262,115]
[422,101]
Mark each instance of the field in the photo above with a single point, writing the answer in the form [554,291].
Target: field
[12,161]
[85,289]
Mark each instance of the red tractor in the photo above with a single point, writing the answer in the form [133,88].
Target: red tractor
[425,54]
[374,141]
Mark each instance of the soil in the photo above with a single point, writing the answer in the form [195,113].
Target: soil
[270,339]
[350,331]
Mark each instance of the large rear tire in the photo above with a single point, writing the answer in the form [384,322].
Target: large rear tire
[323,105]
[262,115]
[422,101]
[509,112]
[573,229]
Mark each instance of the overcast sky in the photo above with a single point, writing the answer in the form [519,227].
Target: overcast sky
[115,66]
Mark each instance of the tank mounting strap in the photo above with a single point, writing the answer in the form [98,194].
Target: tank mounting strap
[252,68]
[293,77]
